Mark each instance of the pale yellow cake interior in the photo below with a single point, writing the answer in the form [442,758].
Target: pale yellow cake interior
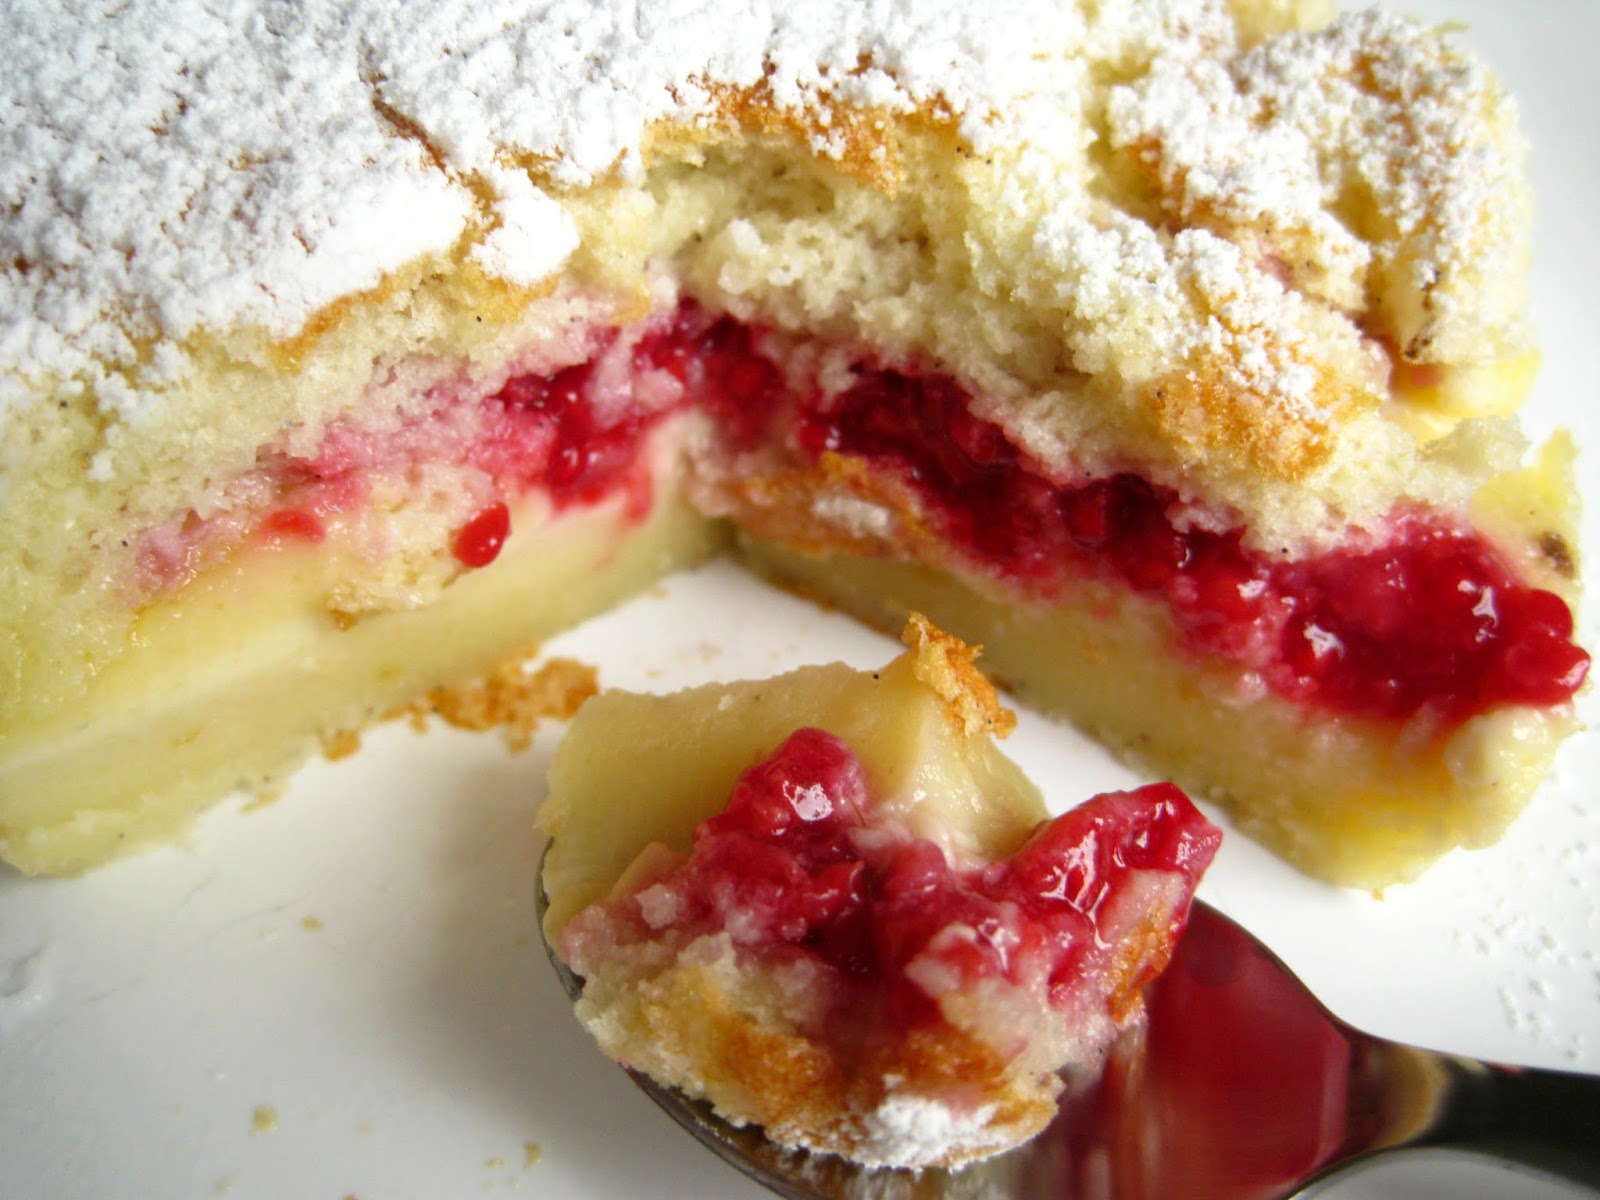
[233,684]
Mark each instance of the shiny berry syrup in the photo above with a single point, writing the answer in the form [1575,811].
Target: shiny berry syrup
[789,870]
[1431,620]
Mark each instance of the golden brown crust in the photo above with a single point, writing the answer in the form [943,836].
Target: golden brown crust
[949,666]
[719,1030]
[1204,414]
[863,143]
[340,744]
[511,699]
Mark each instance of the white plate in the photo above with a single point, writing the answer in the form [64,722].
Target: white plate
[340,994]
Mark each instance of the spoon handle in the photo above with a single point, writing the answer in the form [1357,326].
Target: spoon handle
[1403,1096]
[1545,1119]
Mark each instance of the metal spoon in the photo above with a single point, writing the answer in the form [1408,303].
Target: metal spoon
[1240,1086]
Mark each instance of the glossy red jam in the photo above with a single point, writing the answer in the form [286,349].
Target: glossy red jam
[559,434]
[1432,620]
[294,523]
[576,435]
[480,539]
[787,871]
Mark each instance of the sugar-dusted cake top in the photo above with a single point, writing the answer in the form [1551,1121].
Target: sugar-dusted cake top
[180,166]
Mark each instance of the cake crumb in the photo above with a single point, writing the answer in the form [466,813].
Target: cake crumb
[264,1119]
[949,666]
[340,744]
[311,924]
[511,699]
[264,796]
[532,1153]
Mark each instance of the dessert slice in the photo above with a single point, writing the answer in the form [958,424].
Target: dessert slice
[1171,353]
[1360,709]
[1210,456]
[828,904]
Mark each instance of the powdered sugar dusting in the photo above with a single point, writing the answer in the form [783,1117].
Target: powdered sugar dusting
[181,165]
[1369,159]
[177,165]
[185,165]
[1143,303]
[1537,962]
[534,234]
[911,1128]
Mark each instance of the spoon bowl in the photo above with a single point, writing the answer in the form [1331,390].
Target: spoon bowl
[1239,1085]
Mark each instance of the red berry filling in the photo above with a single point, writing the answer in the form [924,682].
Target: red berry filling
[572,434]
[1432,619]
[576,434]
[795,867]
[294,523]
[478,544]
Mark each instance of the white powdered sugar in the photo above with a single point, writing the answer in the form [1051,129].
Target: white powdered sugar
[1142,303]
[176,166]
[907,1128]
[1370,158]
[660,906]
[533,235]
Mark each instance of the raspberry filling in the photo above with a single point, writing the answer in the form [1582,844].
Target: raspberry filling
[797,868]
[577,435]
[1432,619]
[573,434]
[478,544]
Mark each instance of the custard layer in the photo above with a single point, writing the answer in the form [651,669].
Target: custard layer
[1357,802]
[231,681]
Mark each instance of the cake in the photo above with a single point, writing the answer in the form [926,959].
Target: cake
[828,904]
[1170,351]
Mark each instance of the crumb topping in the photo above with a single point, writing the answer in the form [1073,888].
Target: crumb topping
[178,168]
[511,698]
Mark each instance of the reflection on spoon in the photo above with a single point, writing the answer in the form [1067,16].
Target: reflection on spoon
[1240,1086]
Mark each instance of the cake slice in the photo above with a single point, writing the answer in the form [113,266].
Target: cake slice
[829,905]
[1172,353]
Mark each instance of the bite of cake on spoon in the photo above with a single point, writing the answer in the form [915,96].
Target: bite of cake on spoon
[827,903]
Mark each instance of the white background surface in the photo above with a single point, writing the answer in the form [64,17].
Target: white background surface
[416,1043]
